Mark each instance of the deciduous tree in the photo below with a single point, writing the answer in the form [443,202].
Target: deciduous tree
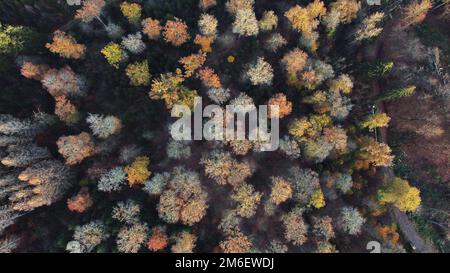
[247,200]
[176,32]
[295,229]
[66,46]
[400,194]
[260,73]
[245,23]
[152,28]
[104,126]
[351,220]
[114,54]
[184,242]
[138,73]
[138,171]
[132,11]
[184,199]
[75,148]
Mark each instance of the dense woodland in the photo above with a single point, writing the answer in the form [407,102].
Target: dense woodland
[88,163]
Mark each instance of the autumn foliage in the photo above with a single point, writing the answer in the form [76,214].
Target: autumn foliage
[176,32]
[66,46]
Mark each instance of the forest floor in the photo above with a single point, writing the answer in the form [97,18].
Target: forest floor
[407,227]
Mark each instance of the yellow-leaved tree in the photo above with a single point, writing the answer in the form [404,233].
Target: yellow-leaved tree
[402,195]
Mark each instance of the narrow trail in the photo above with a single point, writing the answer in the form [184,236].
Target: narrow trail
[406,226]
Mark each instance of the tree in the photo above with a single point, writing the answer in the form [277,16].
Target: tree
[300,127]
[169,88]
[337,137]
[127,212]
[378,70]
[176,32]
[63,82]
[152,28]
[104,126]
[224,169]
[295,229]
[65,110]
[8,216]
[317,150]
[331,21]
[304,183]
[206,4]
[192,62]
[351,220]
[133,43]
[24,155]
[305,20]
[294,61]
[415,12]
[138,171]
[368,28]
[323,227]
[233,6]
[260,73]
[290,147]
[208,25]
[240,147]
[204,42]
[47,180]
[157,184]
[184,199]
[317,199]
[91,9]
[277,246]
[389,234]
[14,39]
[177,149]
[284,105]
[245,23]
[24,128]
[66,46]
[138,73]
[112,180]
[236,243]
[184,242]
[372,152]
[326,247]
[281,190]
[90,235]
[230,223]
[114,54]
[343,182]
[247,199]
[219,95]
[342,84]
[274,42]
[397,93]
[269,21]
[209,78]
[75,148]
[131,238]
[375,121]
[9,244]
[132,11]
[33,71]
[114,31]
[347,9]
[158,240]
[81,202]
[400,194]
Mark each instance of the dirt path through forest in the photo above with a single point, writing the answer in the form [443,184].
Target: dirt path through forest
[406,226]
